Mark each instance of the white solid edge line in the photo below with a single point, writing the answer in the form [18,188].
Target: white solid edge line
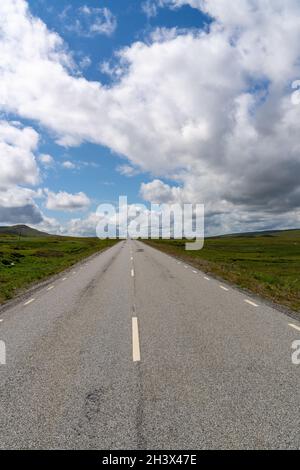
[294,326]
[136,353]
[29,301]
[224,288]
[250,303]
[132,273]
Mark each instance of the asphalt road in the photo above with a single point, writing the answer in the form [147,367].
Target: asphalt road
[136,350]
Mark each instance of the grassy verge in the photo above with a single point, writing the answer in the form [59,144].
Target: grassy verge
[267,264]
[25,260]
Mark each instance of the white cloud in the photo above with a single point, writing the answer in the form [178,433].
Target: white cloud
[46,160]
[88,21]
[69,165]
[17,160]
[85,62]
[87,226]
[179,3]
[17,206]
[50,225]
[18,167]
[84,227]
[149,7]
[210,109]
[158,192]
[127,170]
[63,201]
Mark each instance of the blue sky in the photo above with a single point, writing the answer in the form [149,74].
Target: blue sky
[160,100]
[97,173]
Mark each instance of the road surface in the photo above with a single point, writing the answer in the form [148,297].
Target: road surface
[135,350]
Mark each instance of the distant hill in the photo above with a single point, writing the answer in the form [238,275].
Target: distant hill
[263,233]
[23,231]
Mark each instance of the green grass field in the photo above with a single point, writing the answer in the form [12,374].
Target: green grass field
[267,264]
[25,260]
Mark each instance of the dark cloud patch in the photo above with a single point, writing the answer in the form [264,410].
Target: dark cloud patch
[275,189]
[27,214]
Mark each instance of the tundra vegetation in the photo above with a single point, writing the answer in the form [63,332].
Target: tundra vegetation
[25,260]
[265,263]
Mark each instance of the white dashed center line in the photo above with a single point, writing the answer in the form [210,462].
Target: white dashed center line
[1,320]
[224,288]
[132,273]
[29,301]
[50,288]
[136,353]
[206,278]
[250,303]
[64,278]
[185,267]
[294,326]
[195,272]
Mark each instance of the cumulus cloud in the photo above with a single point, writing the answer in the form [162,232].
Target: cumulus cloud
[118,219]
[17,160]
[158,192]
[63,201]
[83,227]
[210,109]
[179,3]
[17,206]
[27,214]
[18,167]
